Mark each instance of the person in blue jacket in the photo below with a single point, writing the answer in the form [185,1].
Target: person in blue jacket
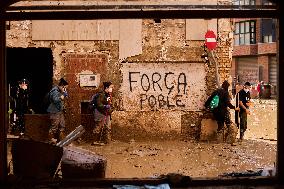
[56,111]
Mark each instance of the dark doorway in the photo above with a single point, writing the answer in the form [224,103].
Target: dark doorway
[35,65]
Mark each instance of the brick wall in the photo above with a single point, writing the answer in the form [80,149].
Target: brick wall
[74,65]
[242,50]
[267,48]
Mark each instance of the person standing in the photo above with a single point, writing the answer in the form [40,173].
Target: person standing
[21,105]
[221,113]
[102,113]
[55,109]
[244,103]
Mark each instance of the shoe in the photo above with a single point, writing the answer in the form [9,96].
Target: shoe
[240,140]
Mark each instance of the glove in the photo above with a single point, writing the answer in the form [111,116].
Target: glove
[107,106]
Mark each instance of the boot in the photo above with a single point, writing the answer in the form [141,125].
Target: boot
[219,136]
[107,137]
[241,135]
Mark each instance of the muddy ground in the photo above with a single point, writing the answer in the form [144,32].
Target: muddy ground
[151,159]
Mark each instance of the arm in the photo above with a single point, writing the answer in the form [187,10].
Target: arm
[228,101]
[56,97]
[244,108]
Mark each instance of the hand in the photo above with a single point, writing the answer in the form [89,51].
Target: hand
[107,106]
[237,109]
[65,94]
[247,111]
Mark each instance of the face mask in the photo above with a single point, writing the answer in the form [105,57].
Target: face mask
[246,90]
[24,87]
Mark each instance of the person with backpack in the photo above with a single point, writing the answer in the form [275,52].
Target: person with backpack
[219,107]
[56,111]
[102,109]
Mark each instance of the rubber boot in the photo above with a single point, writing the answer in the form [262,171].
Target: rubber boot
[219,136]
[107,137]
[241,135]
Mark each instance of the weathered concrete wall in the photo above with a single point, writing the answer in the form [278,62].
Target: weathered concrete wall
[164,50]
[163,86]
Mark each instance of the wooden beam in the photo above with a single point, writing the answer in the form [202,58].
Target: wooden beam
[3,103]
[280,99]
[121,14]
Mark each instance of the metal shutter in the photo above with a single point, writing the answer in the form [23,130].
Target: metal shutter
[273,70]
[247,69]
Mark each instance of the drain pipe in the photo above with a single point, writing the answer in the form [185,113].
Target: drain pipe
[212,53]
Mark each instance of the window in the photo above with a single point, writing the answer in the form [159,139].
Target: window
[266,2]
[244,2]
[268,30]
[244,33]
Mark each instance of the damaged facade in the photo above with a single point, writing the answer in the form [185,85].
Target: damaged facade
[161,81]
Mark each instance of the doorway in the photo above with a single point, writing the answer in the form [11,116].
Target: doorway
[35,65]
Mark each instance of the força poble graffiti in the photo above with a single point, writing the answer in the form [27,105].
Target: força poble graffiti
[159,90]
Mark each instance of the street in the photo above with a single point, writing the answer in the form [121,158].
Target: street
[152,159]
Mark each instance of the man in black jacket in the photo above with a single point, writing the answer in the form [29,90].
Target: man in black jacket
[221,113]
[21,105]
[244,102]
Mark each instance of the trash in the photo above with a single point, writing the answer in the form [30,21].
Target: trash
[127,187]
[160,186]
[268,172]
[80,163]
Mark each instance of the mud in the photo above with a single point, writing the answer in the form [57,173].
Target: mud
[128,160]
[151,159]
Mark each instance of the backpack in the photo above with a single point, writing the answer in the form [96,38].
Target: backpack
[93,102]
[214,103]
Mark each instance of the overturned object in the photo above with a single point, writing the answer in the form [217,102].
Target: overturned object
[80,163]
[34,159]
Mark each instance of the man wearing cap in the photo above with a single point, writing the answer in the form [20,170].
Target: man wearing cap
[102,113]
[55,109]
[244,102]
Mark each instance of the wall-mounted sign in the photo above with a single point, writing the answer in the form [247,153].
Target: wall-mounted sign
[89,80]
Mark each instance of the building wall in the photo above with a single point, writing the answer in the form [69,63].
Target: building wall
[164,50]
[264,62]
[262,50]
